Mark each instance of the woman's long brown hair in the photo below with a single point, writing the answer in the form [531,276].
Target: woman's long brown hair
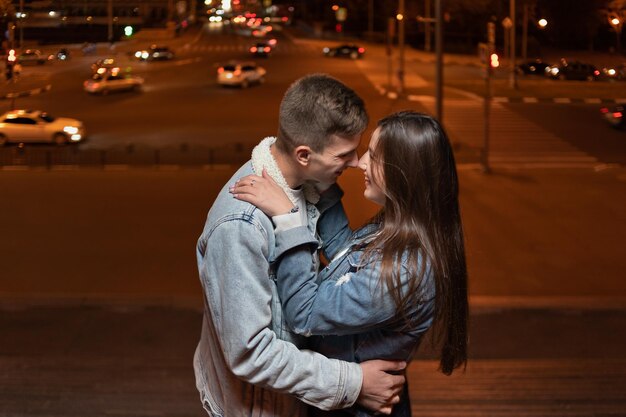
[421,221]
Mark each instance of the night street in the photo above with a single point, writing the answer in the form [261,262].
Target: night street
[100,301]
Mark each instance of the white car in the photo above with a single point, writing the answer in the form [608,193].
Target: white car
[114,80]
[240,74]
[37,126]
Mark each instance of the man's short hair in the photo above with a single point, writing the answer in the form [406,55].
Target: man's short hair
[316,107]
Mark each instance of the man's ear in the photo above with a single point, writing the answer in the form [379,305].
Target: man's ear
[303,154]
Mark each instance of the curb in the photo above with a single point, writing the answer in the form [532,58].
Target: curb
[478,304]
[393,95]
[27,93]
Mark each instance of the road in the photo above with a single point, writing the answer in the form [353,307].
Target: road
[182,104]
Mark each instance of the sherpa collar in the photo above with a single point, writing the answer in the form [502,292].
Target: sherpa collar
[262,158]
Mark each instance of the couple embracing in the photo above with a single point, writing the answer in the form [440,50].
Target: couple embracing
[282,334]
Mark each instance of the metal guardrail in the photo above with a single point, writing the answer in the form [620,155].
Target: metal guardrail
[131,155]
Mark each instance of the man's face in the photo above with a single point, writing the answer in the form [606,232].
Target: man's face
[326,166]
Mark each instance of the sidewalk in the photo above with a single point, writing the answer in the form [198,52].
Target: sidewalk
[135,361]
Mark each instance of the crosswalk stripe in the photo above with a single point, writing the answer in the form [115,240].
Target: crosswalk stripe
[513,139]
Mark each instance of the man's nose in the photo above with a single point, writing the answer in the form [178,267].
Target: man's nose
[354,161]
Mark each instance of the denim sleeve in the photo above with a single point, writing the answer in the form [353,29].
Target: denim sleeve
[333,227]
[234,271]
[353,302]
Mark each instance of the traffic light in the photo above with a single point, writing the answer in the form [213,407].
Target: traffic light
[11,60]
[494,61]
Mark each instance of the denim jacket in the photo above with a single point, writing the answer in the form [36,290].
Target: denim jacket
[343,306]
[247,362]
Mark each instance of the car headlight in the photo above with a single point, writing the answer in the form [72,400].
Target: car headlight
[72,130]
[554,71]
[326,50]
[138,54]
[145,55]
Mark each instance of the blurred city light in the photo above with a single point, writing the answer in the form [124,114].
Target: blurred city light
[542,23]
[494,61]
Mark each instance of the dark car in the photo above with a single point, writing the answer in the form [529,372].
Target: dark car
[345,51]
[31,56]
[155,53]
[535,67]
[262,49]
[574,71]
[615,73]
[615,116]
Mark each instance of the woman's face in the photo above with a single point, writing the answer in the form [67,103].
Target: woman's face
[373,171]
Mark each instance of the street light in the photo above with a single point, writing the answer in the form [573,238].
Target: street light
[617,23]
[542,23]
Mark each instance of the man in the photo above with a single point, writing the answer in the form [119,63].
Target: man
[247,362]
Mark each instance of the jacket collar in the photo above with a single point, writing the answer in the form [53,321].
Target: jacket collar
[262,158]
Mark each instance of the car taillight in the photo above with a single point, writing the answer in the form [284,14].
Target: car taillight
[617,114]
[237,73]
[220,70]
[604,110]
[253,49]
[596,72]
[361,50]
[267,49]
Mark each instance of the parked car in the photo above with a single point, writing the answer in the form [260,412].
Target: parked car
[155,53]
[38,126]
[534,67]
[240,74]
[261,49]
[615,73]
[574,71]
[615,116]
[31,56]
[103,65]
[345,51]
[114,80]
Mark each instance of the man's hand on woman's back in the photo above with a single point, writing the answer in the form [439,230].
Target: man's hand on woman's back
[383,382]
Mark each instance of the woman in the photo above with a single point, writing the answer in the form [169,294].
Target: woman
[388,282]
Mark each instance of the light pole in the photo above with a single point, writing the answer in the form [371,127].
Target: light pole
[21,23]
[110,20]
[541,24]
[512,74]
[617,23]
[370,21]
[439,59]
[400,18]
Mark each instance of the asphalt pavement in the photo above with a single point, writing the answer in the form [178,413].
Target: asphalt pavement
[132,360]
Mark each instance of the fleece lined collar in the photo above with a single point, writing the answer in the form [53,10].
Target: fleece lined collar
[262,158]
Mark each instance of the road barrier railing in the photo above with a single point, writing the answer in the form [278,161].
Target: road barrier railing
[44,156]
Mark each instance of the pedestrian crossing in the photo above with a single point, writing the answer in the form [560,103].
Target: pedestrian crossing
[513,139]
